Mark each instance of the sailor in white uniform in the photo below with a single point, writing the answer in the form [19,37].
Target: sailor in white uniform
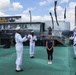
[75,46]
[32,39]
[19,49]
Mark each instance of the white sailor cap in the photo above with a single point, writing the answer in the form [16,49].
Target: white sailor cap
[18,28]
[32,31]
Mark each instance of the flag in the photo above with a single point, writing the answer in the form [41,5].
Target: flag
[30,16]
[52,20]
[55,3]
[65,13]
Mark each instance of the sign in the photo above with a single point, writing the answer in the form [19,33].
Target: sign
[9,18]
[3,20]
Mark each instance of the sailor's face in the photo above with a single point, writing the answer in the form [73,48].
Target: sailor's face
[32,33]
[19,31]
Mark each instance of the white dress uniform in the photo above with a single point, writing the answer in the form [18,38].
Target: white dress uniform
[32,44]
[19,49]
[75,46]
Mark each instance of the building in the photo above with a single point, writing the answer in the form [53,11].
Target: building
[8,25]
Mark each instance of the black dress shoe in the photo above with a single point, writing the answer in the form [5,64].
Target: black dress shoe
[74,57]
[32,57]
[19,70]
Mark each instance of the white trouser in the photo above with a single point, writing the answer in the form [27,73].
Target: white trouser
[19,52]
[75,50]
[32,47]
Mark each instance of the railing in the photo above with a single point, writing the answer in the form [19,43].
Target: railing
[61,38]
[57,35]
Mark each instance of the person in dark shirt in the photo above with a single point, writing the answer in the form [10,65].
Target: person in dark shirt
[49,30]
[49,46]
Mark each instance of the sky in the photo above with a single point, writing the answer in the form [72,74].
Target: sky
[39,9]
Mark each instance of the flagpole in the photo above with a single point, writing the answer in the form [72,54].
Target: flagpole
[75,16]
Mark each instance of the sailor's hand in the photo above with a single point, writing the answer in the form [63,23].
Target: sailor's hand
[26,36]
[33,40]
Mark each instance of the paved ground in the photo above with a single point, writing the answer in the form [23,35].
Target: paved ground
[63,62]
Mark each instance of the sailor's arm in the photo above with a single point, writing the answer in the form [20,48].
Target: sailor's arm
[22,39]
[35,38]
